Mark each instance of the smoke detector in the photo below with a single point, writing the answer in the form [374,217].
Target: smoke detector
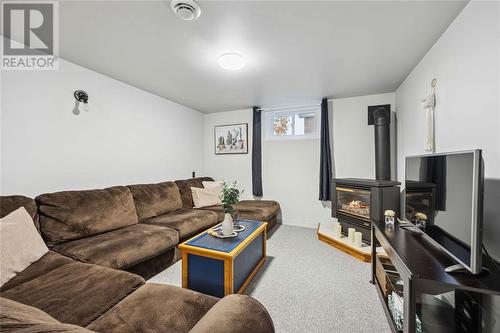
[188,10]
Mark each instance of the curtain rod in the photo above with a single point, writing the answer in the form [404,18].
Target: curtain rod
[297,106]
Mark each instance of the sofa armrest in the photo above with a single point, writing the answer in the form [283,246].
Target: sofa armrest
[235,314]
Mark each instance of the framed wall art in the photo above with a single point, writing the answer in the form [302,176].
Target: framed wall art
[231,139]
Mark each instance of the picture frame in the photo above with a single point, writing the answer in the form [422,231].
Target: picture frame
[231,139]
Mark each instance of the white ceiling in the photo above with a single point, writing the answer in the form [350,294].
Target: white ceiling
[294,50]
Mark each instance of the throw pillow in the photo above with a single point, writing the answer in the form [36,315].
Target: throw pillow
[20,244]
[213,185]
[204,197]
[207,184]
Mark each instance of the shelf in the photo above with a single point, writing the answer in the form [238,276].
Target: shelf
[418,258]
[437,316]
[387,312]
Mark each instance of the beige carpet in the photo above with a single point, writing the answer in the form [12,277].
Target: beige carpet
[308,286]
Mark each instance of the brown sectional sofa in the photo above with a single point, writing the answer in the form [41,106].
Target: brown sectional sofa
[101,227]
[260,210]
[98,240]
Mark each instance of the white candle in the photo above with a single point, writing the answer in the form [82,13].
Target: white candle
[337,230]
[358,239]
[350,234]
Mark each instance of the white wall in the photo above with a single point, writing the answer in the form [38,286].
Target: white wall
[354,139]
[290,169]
[128,136]
[228,167]
[466,63]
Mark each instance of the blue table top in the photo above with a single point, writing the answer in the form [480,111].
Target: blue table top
[225,244]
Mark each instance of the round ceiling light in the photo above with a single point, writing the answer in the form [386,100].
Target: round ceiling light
[231,61]
[188,10]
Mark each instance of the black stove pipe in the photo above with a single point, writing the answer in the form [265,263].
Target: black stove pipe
[380,117]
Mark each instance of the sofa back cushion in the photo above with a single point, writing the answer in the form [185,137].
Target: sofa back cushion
[185,189]
[155,199]
[70,215]
[10,203]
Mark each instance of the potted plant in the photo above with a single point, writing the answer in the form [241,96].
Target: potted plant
[229,196]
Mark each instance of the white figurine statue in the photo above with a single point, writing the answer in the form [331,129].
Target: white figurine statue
[429,104]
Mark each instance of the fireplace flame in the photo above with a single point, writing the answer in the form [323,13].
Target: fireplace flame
[357,207]
[355,204]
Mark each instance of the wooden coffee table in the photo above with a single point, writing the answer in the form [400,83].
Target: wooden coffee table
[220,267]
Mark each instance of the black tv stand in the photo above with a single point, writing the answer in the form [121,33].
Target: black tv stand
[421,266]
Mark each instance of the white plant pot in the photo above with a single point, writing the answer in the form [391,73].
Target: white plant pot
[227,225]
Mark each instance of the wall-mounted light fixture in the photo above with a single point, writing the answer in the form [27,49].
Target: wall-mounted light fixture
[81,97]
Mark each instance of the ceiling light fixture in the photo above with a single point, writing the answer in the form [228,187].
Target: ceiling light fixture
[231,61]
[188,10]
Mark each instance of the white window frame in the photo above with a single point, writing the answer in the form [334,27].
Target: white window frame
[268,123]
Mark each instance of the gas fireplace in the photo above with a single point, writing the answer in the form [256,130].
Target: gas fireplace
[353,201]
[358,202]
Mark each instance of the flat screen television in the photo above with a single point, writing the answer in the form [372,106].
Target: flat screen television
[444,198]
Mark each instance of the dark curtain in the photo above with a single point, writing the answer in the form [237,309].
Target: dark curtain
[257,153]
[325,168]
[433,170]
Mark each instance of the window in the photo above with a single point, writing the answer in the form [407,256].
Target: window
[292,124]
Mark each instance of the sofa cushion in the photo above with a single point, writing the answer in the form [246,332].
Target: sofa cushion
[236,314]
[121,248]
[70,215]
[155,199]
[259,210]
[20,244]
[217,209]
[187,222]
[10,203]
[17,317]
[155,308]
[76,293]
[185,189]
[48,262]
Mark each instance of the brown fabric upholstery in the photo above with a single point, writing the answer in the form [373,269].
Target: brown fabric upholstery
[187,222]
[71,215]
[48,262]
[149,268]
[76,293]
[10,203]
[155,199]
[185,189]
[121,248]
[217,210]
[17,317]
[235,314]
[260,210]
[155,308]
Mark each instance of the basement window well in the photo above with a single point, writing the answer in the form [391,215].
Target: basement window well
[292,124]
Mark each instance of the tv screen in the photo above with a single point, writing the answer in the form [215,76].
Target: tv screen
[443,199]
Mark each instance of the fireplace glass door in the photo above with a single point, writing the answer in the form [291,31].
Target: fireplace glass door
[354,202]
